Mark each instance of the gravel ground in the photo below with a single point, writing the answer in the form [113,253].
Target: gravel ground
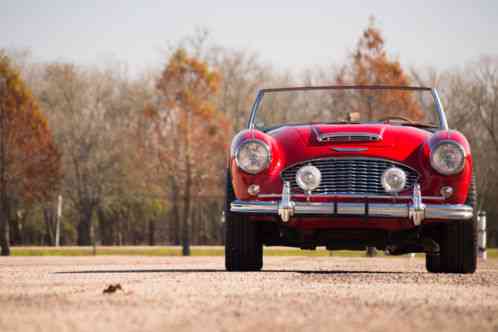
[291,294]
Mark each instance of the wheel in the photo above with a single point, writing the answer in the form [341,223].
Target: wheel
[458,243]
[433,263]
[243,249]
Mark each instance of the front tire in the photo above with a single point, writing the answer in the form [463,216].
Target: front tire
[458,243]
[243,248]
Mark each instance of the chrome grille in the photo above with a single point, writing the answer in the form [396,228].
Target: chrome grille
[349,175]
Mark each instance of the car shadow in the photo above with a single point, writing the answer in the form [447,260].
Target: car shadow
[331,272]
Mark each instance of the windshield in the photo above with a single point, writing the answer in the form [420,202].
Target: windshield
[395,105]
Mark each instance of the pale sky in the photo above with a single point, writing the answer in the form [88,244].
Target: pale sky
[288,34]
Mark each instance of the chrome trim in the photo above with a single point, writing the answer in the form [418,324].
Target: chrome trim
[449,211]
[347,137]
[416,211]
[354,196]
[388,210]
[314,208]
[443,123]
[338,149]
[286,205]
[252,140]
[351,209]
[254,207]
[459,147]
[378,210]
[254,109]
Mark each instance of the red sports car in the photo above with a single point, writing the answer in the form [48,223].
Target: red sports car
[347,167]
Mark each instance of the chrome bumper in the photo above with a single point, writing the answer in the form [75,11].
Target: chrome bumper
[416,211]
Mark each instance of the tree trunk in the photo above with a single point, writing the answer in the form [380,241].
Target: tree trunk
[186,227]
[371,252]
[194,226]
[16,231]
[187,215]
[120,232]
[175,213]
[105,227]
[152,232]
[84,227]
[4,232]
[4,208]
[48,216]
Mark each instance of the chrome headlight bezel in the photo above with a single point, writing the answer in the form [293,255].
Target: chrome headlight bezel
[264,165]
[437,148]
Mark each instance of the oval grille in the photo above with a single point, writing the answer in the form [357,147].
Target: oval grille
[349,175]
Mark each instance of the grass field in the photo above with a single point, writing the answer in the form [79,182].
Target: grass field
[177,251]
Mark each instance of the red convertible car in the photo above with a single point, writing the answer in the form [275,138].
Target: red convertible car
[348,167]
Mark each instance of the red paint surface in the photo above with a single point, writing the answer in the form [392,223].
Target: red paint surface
[408,145]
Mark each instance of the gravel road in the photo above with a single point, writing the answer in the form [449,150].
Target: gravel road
[291,294]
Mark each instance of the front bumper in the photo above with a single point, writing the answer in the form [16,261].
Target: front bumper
[416,210]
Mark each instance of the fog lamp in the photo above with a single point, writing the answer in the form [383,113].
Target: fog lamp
[393,180]
[308,178]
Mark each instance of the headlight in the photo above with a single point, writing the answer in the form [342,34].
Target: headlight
[253,156]
[448,158]
[393,180]
[308,178]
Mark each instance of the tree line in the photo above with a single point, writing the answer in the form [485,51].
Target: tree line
[141,159]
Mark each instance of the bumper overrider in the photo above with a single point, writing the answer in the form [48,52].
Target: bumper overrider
[416,210]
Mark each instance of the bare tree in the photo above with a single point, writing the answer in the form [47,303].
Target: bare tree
[470,97]
[87,108]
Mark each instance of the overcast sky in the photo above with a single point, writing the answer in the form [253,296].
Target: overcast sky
[288,34]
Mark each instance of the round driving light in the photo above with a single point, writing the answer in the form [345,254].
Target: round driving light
[253,189]
[308,178]
[448,158]
[446,191]
[393,180]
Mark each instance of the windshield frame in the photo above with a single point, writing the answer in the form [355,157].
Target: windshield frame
[443,124]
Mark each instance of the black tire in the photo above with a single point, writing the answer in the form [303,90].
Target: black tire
[458,243]
[243,249]
[433,263]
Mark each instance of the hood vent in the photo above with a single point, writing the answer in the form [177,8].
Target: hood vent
[348,137]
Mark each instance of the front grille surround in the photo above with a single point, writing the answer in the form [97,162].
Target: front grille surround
[350,175]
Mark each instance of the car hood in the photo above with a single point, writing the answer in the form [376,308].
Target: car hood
[394,142]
